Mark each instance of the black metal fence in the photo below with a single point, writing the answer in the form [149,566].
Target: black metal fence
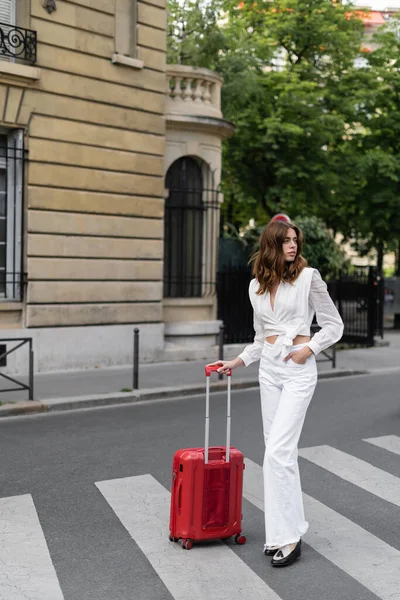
[191,230]
[233,278]
[360,300]
[392,302]
[18,43]
[3,361]
[234,308]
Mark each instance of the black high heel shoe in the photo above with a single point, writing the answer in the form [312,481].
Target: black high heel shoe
[280,560]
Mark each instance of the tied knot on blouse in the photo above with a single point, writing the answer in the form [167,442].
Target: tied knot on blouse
[285,339]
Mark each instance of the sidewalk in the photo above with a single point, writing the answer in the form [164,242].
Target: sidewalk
[74,389]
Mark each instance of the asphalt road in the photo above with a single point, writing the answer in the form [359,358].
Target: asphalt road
[59,458]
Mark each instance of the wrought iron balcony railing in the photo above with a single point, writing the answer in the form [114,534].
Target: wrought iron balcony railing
[17,43]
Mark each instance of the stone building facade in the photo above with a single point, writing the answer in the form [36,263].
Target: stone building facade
[195,130]
[84,119]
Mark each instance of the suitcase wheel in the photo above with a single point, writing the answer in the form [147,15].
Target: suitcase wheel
[172,539]
[240,539]
[187,544]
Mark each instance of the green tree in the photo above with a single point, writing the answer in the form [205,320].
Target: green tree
[320,248]
[194,34]
[374,214]
[289,147]
[290,118]
[316,132]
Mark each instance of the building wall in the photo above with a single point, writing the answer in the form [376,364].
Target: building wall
[93,110]
[94,181]
[95,177]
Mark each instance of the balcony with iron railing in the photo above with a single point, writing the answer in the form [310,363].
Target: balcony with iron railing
[17,44]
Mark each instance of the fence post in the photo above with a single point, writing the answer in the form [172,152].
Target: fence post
[136,359]
[221,346]
[380,283]
[31,370]
[372,307]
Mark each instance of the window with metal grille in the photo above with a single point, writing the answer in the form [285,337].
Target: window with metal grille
[11,206]
[190,230]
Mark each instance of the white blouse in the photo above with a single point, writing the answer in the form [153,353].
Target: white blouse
[294,308]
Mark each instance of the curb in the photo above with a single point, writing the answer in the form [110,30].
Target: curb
[22,408]
[77,402]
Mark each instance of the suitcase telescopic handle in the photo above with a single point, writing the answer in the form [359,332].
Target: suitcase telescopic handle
[213,369]
[208,371]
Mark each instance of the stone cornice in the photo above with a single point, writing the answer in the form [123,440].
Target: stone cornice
[218,127]
[18,74]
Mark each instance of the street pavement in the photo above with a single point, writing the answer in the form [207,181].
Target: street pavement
[84,504]
[71,389]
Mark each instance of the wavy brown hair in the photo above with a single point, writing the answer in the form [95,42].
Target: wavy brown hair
[269,265]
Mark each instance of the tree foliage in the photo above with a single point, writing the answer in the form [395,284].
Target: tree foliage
[320,249]
[375,216]
[317,120]
[195,36]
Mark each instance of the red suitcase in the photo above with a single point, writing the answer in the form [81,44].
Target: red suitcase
[207,487]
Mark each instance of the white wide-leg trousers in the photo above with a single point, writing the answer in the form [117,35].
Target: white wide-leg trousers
[286,391]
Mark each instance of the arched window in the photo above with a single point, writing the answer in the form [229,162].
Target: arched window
[183,230]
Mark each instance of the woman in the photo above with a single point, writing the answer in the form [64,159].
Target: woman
[285,295]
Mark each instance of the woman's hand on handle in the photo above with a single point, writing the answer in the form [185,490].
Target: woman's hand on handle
[227,365]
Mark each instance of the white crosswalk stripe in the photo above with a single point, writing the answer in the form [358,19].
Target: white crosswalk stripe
[387,442]
[363,556]
[212,571]
[356,471]
[26,571]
